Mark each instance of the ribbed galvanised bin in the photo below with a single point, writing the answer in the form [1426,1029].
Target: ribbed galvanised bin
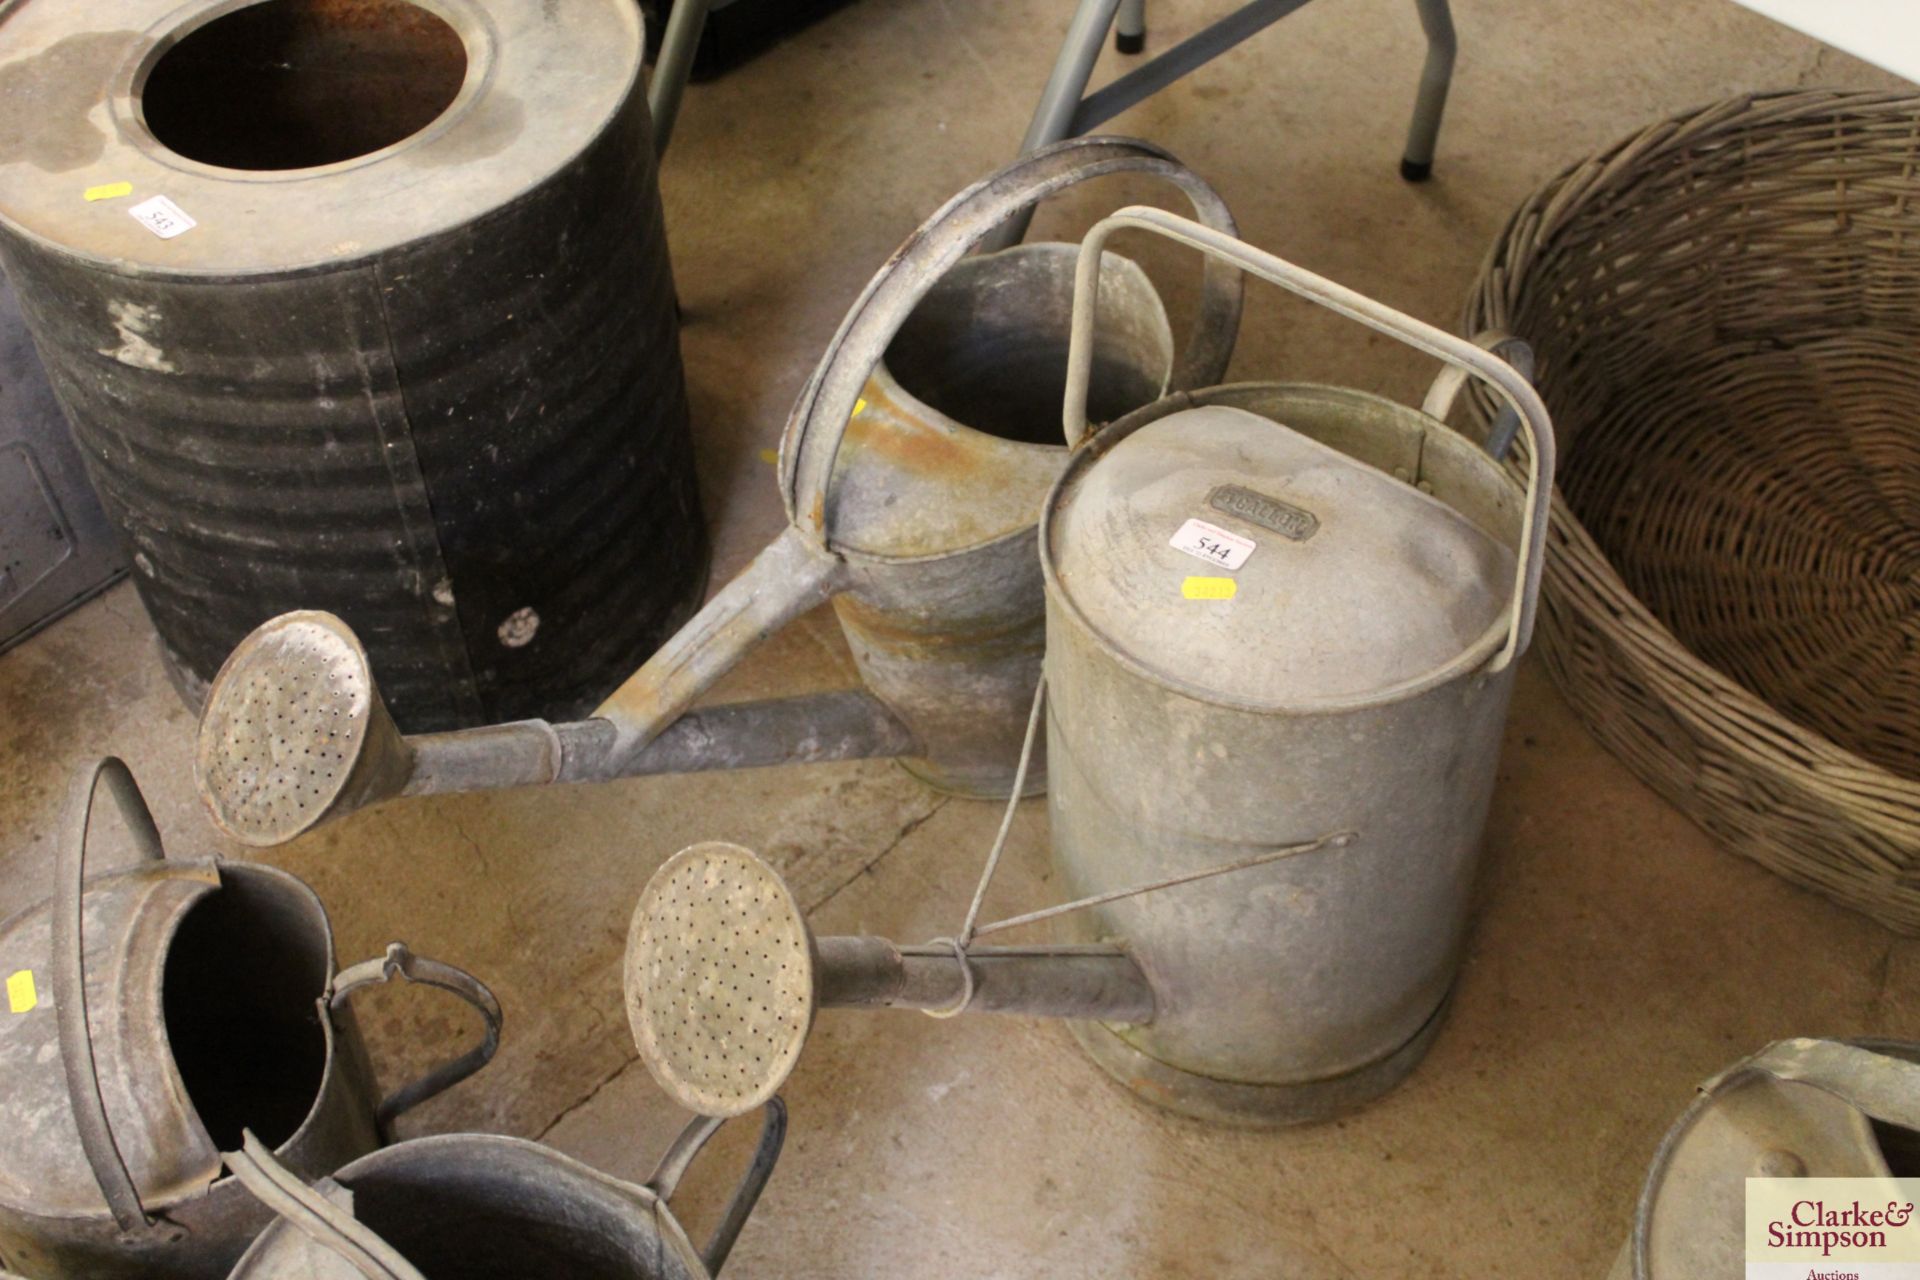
[365,305]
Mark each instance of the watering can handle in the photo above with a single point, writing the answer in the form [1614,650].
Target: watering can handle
[820,415]
[399,962]
[679,1157]
[68,966]
[320,1219]
[1880,1086]
[1446,387]
[1504,378]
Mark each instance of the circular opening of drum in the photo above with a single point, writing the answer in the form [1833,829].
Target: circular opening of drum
[291,84]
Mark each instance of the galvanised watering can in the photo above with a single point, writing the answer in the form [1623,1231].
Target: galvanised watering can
[481,1207]
[1281,628]
[913,485]
[1797,1109]
[153,1013]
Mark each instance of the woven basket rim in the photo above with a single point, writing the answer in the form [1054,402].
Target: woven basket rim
[1582,574]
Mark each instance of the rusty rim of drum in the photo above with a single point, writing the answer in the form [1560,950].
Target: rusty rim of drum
[286,722]
[719,979]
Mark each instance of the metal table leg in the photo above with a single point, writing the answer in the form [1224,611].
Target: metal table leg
[1066,110]
[1435,78]
[670,69]
[1130,31]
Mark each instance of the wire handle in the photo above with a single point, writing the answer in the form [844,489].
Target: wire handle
[972,929]
[68,965]
[400,962]
[1503,377]
[679,1158]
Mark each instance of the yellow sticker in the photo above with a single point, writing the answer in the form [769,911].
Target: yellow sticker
[108,191]
[770,456]
[21,995]
[859,406]
[1209,588]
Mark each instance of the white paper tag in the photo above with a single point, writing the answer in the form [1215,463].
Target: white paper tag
[1213,544]
[163,217]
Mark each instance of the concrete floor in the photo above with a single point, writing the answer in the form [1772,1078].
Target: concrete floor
[1618,956]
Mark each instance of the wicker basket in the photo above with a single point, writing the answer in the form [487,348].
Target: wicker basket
[1725,308]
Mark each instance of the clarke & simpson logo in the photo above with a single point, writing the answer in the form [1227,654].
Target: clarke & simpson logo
[1833,1229]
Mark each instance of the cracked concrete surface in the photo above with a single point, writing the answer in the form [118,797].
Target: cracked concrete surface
[1618,956]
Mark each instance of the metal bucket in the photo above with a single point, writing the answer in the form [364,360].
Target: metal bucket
[923,539]
[481,1207]
[1261,636]
[367,307]
[1274,746]
[153,1014]
[1796,1109]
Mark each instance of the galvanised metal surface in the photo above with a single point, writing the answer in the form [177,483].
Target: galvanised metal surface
[1344,665]
[415,361]
[172,1004]
[924,539]
[1275,743]
[1797,1109]
[56,547]
[482,1207]
[951,450]
[1333,961]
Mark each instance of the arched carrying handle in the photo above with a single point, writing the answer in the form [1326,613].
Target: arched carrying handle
[820,415]
[314,1215]
[1446,388]
[679,1158]
[1878,1085]
[68,965]
[399,962]
[1505,380]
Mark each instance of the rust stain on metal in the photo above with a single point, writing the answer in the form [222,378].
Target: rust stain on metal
[900,435]
[894,630]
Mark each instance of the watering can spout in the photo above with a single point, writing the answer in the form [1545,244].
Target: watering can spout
[723,977]
[296,734]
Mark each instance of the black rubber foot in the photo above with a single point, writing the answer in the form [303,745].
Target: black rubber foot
[1124,43]
[1416,171]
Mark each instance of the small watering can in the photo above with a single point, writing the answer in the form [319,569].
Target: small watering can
[923,540]
[479,1207]
[152,1014]
[1277,676]
[1796,1109]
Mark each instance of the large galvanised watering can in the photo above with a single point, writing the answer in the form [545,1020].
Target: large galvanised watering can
[152,1014]
[480,1207]
[1796,1109]
[1281,629]
[913,487]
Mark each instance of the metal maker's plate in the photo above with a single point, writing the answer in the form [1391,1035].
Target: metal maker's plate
[285,723]
[719,979]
